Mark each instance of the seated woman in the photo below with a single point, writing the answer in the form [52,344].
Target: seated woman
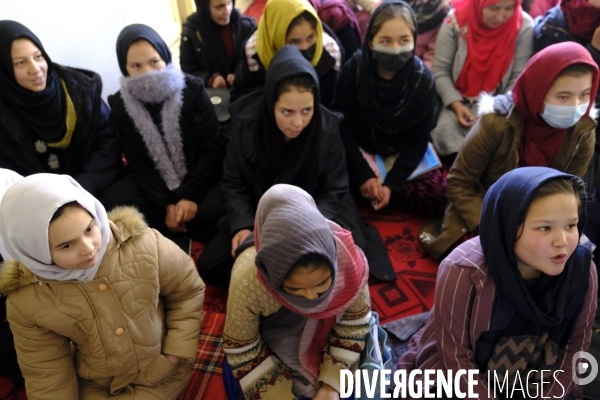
[430,15]
[284,135]
[311,310]
[341,18]
[545,122]
[289,22]
[170,137]
[212,41]
[52,118]
[574,21]
[482,47]
[101,306]
[388,99]
[518,299]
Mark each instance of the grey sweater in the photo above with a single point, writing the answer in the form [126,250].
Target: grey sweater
[451,53]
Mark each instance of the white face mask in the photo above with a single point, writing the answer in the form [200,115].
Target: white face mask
[562,117]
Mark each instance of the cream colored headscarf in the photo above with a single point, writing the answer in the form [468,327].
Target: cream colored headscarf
[25,214]
[7,178]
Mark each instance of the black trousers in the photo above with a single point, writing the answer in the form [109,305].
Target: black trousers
[215,262]
[202,228]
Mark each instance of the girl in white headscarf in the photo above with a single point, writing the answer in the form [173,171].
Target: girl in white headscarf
[129,300]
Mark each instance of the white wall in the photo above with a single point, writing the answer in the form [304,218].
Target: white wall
[83,33]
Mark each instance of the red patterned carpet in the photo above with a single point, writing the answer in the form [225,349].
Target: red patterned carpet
[411,293]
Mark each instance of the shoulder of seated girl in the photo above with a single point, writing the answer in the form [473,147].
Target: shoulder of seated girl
[14,275]
[500,104]
[331,46]
[453,24]
[127,222]
[250,52]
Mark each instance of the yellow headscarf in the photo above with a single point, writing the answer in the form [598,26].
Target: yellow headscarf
[273,25]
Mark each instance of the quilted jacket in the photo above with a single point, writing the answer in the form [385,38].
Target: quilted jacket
[106,338]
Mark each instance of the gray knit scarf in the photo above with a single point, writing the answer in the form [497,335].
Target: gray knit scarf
[163,86]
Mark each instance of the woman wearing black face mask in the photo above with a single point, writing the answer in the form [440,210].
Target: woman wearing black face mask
[292,22]
[394,114]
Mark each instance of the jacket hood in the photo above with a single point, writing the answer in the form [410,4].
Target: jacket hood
[125,223]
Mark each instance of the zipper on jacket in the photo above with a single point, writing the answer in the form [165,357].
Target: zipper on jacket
[40,282]
[574,152]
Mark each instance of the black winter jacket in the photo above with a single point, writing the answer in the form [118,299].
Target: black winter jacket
[203,147]
[240,192]
[195,58]
[93,157]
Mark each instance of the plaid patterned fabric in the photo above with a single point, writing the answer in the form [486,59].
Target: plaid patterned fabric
[329,44]
[207,372]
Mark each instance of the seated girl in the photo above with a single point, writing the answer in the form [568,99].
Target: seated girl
[170,137]
[311,309]
[283,135]
[546,121]
[289,22]
[388,99]
[574,21]
[518,299]
[341,18]
[100,306]
[482,47]
[430,16]
[52,118]
[212,41]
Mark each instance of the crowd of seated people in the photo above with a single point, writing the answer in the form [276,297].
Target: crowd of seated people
[334,105]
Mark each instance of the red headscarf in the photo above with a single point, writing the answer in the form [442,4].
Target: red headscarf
[489,51]
[541,142]
[583,17]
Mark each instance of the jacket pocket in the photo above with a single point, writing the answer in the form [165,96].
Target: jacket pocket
[158,370]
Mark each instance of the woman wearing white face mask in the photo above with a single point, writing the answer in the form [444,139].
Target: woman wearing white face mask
[546,121]
[394,114]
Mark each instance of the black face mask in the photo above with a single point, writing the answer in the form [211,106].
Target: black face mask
[392,62]
[310,52]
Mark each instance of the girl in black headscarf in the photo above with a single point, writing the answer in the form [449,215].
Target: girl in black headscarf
[518,301]
[52,118]
[283,135]
[170,137]
[211,41]
[389,102]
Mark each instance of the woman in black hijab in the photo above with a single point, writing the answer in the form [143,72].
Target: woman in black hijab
[211,41]
[282,134]
[52,118]
[170,137]
[389,101]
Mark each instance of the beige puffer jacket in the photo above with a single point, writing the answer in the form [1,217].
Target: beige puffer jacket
[145,301]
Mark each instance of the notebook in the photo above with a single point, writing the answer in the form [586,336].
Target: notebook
[381,166]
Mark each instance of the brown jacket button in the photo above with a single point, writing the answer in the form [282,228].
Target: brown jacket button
[119,331]
[102,287]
